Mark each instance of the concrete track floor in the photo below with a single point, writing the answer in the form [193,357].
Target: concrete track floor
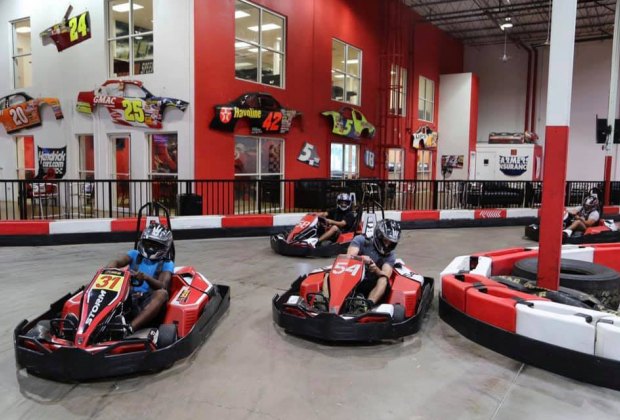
[250,369]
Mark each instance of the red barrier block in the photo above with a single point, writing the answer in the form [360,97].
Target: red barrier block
[34,227]
[455,286]
[255,220]
[409,215]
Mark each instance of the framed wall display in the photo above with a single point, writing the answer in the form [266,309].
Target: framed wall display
[424,138]
[451,162]
[309,155]
[369,159]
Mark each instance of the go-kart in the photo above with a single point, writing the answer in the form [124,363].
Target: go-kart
[84,335]
[605,231]
[302,239]
[324,304]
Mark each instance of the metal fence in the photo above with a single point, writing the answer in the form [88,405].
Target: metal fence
[75,199]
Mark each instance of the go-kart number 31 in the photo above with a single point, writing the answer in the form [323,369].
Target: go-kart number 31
[107,282]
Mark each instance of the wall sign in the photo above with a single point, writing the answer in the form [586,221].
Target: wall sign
[424,138]
[69,32]
[369,159]
[350,122]
[513,165]
[309,155]
[52,158]
[450,162]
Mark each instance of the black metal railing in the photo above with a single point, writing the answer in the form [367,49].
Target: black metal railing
[120,198]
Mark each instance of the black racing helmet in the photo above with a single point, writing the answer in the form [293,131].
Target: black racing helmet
[344,201]
[155,242]
[386,236]
[590,203]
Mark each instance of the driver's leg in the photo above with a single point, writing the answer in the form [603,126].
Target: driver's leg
[150,311]
[376,294]
[329,233]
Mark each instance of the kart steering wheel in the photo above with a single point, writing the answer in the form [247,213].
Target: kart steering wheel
[135,282]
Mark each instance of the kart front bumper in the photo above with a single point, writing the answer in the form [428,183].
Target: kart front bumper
[533,232]
[335,328]
[69,364]
[282,247]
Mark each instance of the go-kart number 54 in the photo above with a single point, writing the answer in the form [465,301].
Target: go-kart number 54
[108,282]
[341,267]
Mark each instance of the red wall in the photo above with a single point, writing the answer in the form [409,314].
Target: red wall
[311,25]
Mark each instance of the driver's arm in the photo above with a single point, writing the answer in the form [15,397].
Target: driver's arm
[353,250]
[161,282]
[340,224]
[120,262]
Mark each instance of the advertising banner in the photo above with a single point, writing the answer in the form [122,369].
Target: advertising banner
[52,158]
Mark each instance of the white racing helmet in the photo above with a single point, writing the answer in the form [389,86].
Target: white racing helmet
[155,242]
[343,201]
[386,236]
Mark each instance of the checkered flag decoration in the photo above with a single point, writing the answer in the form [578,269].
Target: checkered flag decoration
[308,155]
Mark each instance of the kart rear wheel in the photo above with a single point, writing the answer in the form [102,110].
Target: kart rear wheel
[167,335]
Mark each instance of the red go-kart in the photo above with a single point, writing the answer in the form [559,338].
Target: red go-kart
[84,335]
[324,304]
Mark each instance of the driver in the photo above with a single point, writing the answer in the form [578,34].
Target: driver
[378,253]
[151,269]
[586,216]
[337,220]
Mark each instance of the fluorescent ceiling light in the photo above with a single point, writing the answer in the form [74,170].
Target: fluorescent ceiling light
[353,61]
[338,76]
[241,14]
[244,64]
[265,27]
[23,29]
[507,24]
[124,7]
[240,44]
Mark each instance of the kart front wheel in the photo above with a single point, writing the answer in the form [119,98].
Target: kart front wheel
[167,335]
[399,313]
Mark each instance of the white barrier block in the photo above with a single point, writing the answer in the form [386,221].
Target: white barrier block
[289,219]
[581,254]
[608,337]
[462,264]
[456,214]
[81,226]
[521,213]
[391,214]
[558,324]
[196,222]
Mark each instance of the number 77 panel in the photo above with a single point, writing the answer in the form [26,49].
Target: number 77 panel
[129,103]
[19,111]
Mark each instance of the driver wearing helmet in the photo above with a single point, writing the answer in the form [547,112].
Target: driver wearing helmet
[586,216]
[339,219]
[151,268]
[378,254]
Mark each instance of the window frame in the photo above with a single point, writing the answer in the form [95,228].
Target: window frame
[261,47]
[131,37]
[22,171]
[158,175]
[346,172]
[429,104]
[84,173]
[347,75]
[15,56]
[398,90]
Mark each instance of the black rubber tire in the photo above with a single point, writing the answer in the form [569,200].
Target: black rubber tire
[167,335]
[399,313]
[595,279]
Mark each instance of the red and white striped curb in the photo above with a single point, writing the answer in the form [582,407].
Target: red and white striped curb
[43,227]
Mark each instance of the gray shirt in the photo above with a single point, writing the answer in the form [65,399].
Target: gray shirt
[367,248]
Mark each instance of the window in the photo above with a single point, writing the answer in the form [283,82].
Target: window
[426,104]
[22,54]
[120,168]
[398,90]
[130,37]
[346,73]
[258,158]
[87,157]
[25,157]
[259,44]
[344,161]
[163,168]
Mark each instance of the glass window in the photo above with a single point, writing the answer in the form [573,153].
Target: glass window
[120,168]
[130,37]
[398,90]
[344,161]
[164,168]
[346,73]
[426,102]
[259,168]
[25,157]
[86,146]
[22,54]
[259,44]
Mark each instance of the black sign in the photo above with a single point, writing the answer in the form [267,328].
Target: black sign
[52,158]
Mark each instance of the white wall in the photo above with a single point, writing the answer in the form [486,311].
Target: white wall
[503,91]
[455,92]
[84,67]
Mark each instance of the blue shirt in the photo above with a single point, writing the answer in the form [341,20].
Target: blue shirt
[152,268]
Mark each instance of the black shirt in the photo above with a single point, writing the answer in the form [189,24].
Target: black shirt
[338,215]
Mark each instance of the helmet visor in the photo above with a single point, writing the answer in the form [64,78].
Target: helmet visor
[344,204]
[151,247]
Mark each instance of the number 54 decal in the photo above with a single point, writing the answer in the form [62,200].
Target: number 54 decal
[341,267]
[133,110]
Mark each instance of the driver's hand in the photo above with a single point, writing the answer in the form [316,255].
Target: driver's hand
[139,275]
